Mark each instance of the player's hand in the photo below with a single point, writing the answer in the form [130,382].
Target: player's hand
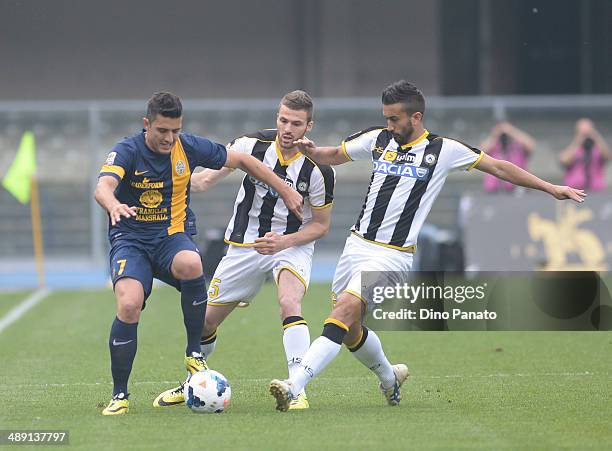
[567,192]
[305,145]
[293,200]
[119,211]
[270,243]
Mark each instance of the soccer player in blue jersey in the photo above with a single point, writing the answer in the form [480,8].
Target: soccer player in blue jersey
[144,186]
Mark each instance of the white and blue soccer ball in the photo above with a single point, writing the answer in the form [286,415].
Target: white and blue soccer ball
[207,391]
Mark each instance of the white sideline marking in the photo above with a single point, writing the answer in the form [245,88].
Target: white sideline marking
[18,311]
[261,380]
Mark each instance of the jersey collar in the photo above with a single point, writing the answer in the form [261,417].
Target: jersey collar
[416,141]
[279,154]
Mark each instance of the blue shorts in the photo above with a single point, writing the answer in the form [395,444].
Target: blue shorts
[144,260]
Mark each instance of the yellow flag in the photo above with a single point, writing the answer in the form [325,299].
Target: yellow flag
[18,179]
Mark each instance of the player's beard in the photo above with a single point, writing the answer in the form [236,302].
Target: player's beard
[404,137]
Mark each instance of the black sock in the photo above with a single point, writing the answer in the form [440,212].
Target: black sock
[193,302]
[334,332]
[122,343]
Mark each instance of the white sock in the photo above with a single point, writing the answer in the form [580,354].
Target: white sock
[321,352]
[371,354]
[207,346]
[296,340]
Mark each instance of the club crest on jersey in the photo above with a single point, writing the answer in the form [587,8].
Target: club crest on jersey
[430,158]
[151,198]
[302,186]
[400,170]
[179,167]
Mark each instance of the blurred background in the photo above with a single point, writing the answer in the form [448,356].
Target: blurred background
[78,74]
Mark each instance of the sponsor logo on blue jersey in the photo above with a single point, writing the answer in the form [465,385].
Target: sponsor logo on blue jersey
[400,170]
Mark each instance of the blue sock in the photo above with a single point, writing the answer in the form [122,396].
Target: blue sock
[193,302]
[122,343]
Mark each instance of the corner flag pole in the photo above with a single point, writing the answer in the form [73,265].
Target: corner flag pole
[37,233]
[20,180]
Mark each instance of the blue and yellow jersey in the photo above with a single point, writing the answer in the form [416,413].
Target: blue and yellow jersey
[158,184]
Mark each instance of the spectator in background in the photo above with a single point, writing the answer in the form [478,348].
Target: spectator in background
[584,159]
[506,142]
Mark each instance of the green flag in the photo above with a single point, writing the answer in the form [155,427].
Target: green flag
[18,179]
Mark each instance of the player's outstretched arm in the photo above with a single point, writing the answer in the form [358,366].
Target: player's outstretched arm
[322,155]
[105,196]
[317,227]
[203,180]
[511,173]
[251,165]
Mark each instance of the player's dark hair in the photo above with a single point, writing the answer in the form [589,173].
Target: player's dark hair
[404,92]
[165,104]
[299,101]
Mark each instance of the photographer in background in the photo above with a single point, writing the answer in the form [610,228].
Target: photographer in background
[585,158]
[506,142]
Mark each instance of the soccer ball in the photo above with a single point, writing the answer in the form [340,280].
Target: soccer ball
[207,391]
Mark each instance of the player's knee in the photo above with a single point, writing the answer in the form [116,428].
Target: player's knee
[130,298]
[129,313]
[347,310]
[129,308]
[187,265]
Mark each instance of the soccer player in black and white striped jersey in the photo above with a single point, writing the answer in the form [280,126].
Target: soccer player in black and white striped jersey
[410,165]
[264,236]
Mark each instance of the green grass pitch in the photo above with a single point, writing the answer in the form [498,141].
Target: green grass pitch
[491,390]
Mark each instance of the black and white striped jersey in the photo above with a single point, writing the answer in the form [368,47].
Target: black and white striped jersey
[405,182]
[258,208]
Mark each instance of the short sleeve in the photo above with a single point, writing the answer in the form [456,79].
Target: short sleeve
[118,161]
[242,145]
[206,153]
[461,156]
[359,146]
[322,182]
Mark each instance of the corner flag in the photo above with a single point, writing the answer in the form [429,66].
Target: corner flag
[18,179]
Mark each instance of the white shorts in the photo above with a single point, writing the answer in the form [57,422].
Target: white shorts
[242,271]
[363,255]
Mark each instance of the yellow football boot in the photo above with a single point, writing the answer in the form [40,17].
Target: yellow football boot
[195,363]
[299,403]
[171,397]
[176,395]
[119,405]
